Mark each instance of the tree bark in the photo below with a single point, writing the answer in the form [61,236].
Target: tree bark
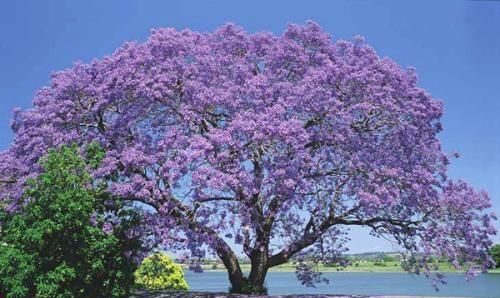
[239,283]
[258,272]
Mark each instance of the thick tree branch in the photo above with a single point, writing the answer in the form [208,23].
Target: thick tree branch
[310,238]
[185,217]
[212,199]
[7,181]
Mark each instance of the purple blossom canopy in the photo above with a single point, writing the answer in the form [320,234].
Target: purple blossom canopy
[275,143]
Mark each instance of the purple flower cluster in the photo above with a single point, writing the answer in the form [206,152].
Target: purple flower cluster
[282,141]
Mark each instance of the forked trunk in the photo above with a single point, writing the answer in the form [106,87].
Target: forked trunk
[254,284]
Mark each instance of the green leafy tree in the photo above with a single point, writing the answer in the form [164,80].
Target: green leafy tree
[159,272]
[55,245]
[388,258]
[495,254]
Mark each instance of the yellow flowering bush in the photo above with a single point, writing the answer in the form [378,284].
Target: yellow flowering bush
[159,272]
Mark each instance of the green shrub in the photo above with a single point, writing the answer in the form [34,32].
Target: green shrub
[495,254]
[158,272]
[51,248]
[380,264]
[17,270]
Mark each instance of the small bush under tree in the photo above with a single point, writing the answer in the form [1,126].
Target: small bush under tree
[159,272]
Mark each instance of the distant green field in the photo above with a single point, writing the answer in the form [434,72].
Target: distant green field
[366,266]
[363,266]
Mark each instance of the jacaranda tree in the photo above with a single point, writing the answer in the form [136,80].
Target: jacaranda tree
[275,143]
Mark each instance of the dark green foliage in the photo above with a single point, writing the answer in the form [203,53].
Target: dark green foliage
[50,248]
[388,258]
[495,254]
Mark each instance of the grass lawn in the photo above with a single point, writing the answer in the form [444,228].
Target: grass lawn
[366,266]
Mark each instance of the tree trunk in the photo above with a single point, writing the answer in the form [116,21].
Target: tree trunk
[238,281]
[258,272]
[254,284]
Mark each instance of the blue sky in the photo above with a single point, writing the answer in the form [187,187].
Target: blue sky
[454,45]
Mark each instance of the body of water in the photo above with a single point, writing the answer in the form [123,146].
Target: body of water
[360,283]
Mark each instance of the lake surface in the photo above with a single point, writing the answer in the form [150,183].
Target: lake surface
[360,283]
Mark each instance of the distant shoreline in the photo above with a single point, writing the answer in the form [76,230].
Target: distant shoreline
[347,271]
[496,271]
[369,268]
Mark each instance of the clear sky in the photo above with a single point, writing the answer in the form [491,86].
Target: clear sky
[454,45]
